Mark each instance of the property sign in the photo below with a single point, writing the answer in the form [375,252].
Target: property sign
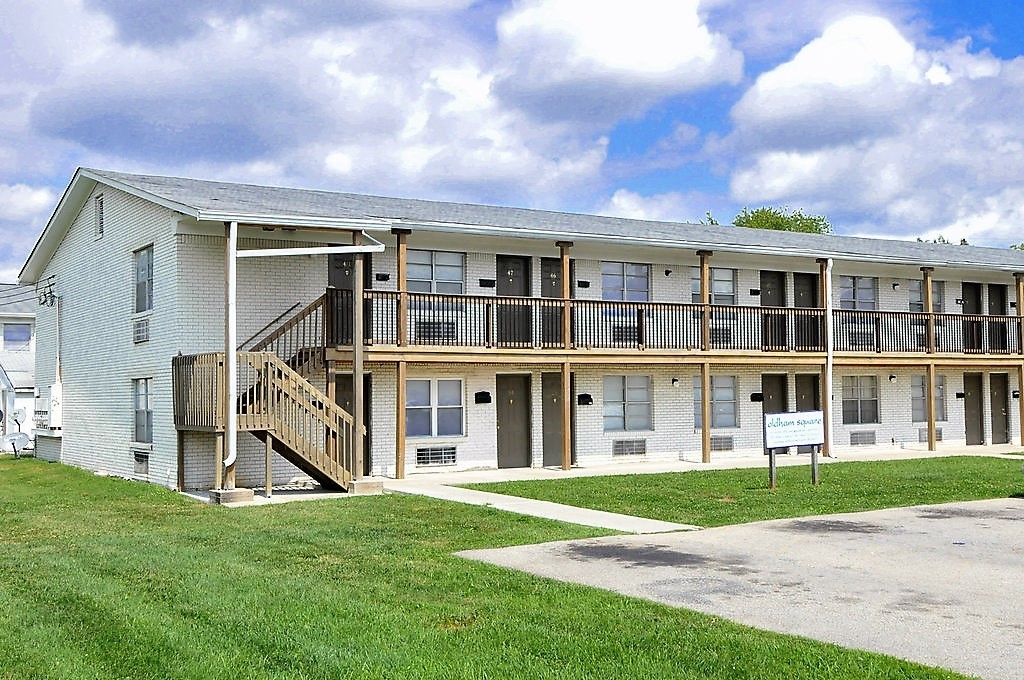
[782,430]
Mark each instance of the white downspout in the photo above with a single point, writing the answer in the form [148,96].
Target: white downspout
[829,351]
[230,344]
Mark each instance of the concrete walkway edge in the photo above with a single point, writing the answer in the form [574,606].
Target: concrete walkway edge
[534,508]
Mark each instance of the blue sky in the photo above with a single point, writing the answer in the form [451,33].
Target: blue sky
[891,117]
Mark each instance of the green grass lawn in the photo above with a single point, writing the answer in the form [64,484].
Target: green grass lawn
[720,497]
[103,578]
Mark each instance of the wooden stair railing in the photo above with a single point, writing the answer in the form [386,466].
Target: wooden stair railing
[308,429]
[300,341]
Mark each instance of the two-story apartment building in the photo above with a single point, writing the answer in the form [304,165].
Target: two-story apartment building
[17,359]
[346,335]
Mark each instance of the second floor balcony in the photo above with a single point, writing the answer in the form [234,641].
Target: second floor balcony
[461,322]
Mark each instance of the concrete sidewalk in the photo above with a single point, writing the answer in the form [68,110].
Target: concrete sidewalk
[548,510]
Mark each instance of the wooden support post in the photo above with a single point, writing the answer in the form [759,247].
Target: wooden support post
[929,401]
[402,236]
[400,420]
[566,416]
[358,350]
[269,451]
[332,381]
[929,308]
[563,247]
[826,411]
[705,298]
[705,412]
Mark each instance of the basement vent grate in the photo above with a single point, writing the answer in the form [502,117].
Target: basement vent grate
[922,434]
[721,443]
[141,463]
[435,455]
[866,438]
[140,330]
[629,447]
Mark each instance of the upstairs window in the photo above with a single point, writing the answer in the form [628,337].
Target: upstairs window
[858,292]
[98,217]
[722,282]
[144,279]
[435,271]
[17,337]
[625,281]
[915,292]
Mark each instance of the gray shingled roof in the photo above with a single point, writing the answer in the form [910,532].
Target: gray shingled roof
[247,199]
[16,299]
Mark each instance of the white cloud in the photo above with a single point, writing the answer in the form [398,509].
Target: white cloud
[672,206]
[22,202]
[601,59]
[867,126]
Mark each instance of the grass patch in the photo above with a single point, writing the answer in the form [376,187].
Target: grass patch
[103,578]
[720,497]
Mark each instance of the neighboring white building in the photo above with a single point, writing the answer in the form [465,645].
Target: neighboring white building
[493,337]
[17,356]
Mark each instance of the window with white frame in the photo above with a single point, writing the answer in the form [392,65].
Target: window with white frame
[625,281]
[722,285]
[860,399]
[919,406]
[17,337]
[144,279]
[627,403]
[858,292]
[723,402]
[98,216]
[433,407]
[435,271]
[915,294]
[142,390]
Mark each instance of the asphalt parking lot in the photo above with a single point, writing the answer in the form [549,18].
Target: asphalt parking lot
[942,585]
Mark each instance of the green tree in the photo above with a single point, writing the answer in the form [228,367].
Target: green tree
[781,219]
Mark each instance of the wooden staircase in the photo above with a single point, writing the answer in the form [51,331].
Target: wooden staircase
[276,400]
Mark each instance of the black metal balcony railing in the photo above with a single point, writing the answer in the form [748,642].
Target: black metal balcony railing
[878,331]
[536,323]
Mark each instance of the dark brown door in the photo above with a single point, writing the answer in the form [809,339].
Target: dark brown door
[808,398]
[998,333]
[513,411]
[512,277]
[973,419]
[805,296]
[551,393]
[343,397]
[999,388]
[970,293]
[340,270]
[773,387]
[773,324]
[551,287]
